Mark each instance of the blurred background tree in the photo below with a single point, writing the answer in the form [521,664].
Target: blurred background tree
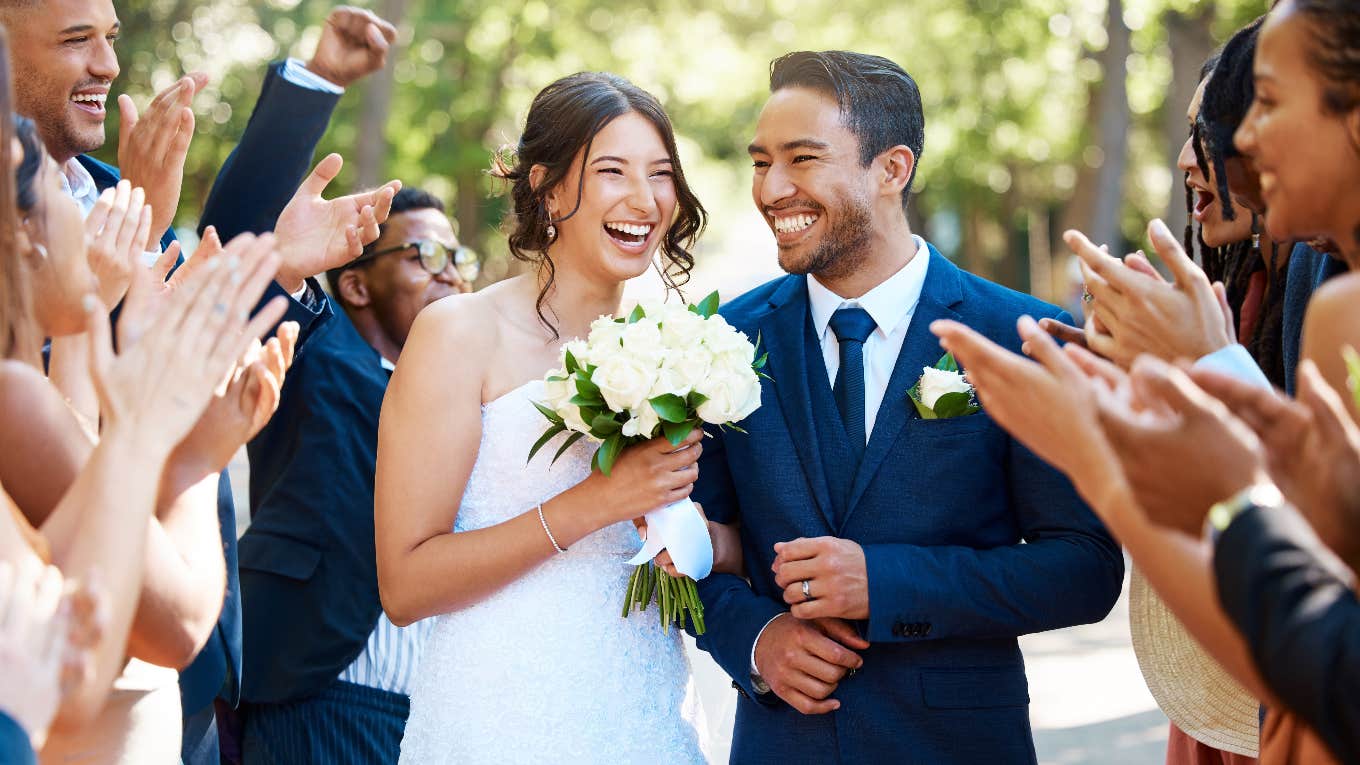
[1040,115]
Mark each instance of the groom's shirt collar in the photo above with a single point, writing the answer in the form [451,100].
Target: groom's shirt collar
[890,303]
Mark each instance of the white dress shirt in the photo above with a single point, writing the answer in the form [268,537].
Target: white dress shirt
[891,304]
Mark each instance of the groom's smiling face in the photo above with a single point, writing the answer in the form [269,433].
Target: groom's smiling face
[809,183]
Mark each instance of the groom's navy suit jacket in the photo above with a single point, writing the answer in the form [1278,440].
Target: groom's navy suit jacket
[940,507]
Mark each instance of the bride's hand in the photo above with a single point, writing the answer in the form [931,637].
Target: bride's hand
[647,476]
[726,539]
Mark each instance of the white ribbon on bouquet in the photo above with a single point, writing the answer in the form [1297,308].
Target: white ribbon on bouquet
[678,527]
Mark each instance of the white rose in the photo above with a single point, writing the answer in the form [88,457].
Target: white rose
[683,371]
[558,395]
[721,339]
[578,350]
[642,421]
[937,382]
[624,381]
[642,340]
[681,327]
[605,334]
[732,396]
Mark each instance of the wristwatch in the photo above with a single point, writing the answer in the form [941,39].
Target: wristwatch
[1222,514]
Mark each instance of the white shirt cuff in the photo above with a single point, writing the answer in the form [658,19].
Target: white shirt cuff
[296,72]
[301,291]
[1234,361]
[757,681]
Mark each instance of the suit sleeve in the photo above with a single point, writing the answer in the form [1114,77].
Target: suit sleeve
[15,748]
[272,158]
[1299,618]
[1068,571]
[734,613]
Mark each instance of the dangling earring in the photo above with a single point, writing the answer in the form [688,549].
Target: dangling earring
[552,233]
[1255,236]
[39,248]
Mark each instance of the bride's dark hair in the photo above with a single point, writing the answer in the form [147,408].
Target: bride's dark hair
[564,118]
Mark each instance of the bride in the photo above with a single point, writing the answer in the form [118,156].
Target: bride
[524,565]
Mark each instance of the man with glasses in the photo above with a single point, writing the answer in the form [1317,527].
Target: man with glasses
[326,674]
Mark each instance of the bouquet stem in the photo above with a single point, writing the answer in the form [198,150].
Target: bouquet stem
[676,598]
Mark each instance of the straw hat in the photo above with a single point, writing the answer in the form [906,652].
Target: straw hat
[1191,688]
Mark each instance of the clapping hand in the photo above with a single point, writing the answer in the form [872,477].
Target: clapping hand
[33,643]
[152,147]
[1312,449]
[316,234]
[116,234]
[1142,313]
[176,350]
[354,44]
[236,414]
[1048,404]
[1180,449]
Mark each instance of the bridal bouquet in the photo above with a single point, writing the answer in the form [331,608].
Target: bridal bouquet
[664,370]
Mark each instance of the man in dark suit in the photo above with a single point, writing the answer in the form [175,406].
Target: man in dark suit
[64,65]
[893,560]
[326,674]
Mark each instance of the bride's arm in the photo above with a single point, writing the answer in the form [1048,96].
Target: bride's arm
[428,437]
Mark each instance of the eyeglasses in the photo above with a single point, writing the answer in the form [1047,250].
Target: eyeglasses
[436,256]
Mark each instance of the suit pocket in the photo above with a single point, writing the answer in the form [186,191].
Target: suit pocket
[972,423]
[282,556]
[974,688]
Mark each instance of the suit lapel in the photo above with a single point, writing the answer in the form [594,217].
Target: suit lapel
[782,332]
[939,295]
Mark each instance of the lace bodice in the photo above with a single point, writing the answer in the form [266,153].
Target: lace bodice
[545,670]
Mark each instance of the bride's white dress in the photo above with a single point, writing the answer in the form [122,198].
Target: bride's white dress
[545,670]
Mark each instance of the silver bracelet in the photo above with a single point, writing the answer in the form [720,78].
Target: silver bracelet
[548,531]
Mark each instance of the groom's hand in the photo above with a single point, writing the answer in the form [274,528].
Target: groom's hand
[803,662]
[835,573]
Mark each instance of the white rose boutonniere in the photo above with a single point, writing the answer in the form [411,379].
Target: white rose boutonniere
[943,392]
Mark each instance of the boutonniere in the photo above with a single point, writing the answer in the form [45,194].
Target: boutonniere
[943,392]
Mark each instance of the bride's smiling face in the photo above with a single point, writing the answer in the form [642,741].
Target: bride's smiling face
[627,200]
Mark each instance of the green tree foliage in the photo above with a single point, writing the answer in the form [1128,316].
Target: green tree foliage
[1010,92]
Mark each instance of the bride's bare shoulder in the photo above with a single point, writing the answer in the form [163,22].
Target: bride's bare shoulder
[464,330]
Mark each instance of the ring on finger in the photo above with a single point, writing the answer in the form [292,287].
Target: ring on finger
[807,591]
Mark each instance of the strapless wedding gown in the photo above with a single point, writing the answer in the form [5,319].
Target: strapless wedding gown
[545,670]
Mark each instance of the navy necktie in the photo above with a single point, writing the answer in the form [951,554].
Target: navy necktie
[852,327]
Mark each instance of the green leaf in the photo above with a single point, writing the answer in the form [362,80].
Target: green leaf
[543,440]
[730,426]
[552,416]
[670,407]
[760,362]
[709,305]
[609,453]
[637,314]
[573,438]
[569,362]
[696,399]
[947,363]
[604,425]
[952,405]
[587,401]
[676,432]
[585,386]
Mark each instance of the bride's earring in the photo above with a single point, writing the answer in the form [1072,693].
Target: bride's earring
[552,233]
[1255,235]
[39,248]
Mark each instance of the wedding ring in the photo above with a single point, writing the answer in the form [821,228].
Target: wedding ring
[1087,297]
[807,591]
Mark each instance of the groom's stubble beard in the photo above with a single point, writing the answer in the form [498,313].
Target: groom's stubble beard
[843,249]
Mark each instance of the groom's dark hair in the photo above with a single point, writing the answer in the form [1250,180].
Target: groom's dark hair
[879,101]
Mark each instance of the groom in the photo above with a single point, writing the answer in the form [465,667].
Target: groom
[892,560]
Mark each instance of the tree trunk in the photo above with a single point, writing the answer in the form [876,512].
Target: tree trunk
[370,154]
[1191,41]
[1113,120]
